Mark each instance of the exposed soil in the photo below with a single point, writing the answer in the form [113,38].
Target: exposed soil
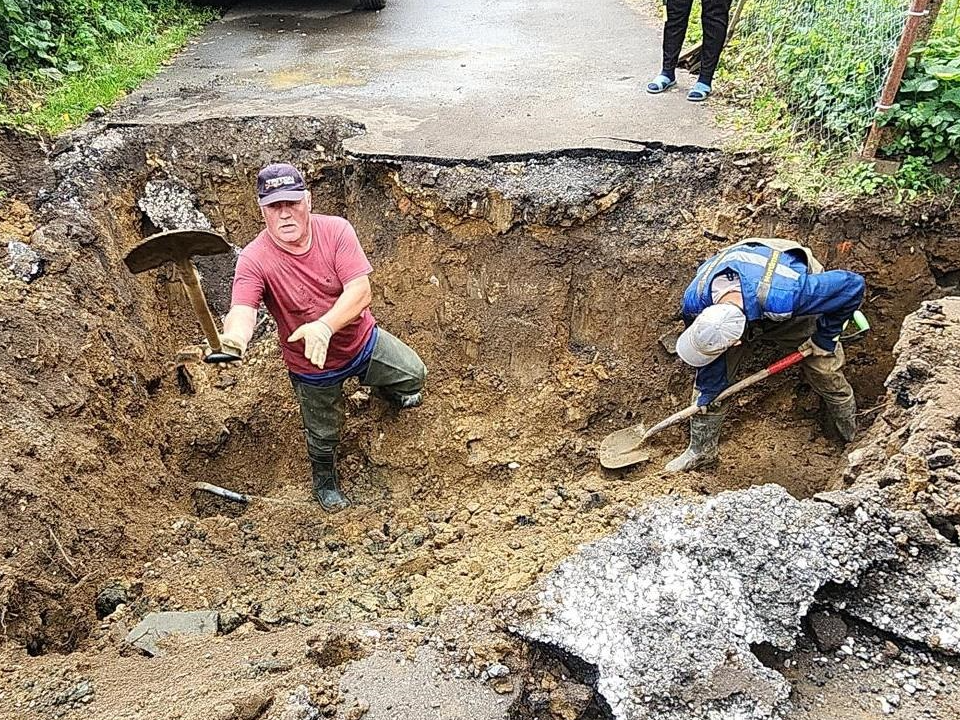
[535,288]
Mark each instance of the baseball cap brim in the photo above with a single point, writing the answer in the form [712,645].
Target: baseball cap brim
[689,354]
[282,195]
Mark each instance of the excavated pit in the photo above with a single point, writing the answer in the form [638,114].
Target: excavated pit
[541,292]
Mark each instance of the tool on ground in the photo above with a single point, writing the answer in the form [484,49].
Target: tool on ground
[244,498]
[178,246]
[690,60]
[625,447]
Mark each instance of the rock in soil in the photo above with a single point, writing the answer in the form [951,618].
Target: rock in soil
[828,630]
[159,625]
[109,598]
[23,261]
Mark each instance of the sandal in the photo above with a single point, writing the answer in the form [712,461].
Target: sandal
[699,92]
[659,84]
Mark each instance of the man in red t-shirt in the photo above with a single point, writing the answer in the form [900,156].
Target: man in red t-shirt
[311,273]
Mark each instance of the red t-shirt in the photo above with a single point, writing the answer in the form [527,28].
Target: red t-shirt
[298,289]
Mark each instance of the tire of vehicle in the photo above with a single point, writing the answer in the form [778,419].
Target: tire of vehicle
[371,4]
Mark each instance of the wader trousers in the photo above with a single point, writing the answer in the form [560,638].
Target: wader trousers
[395,371]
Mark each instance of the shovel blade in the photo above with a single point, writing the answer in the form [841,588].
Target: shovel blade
[174,245]
[623,448]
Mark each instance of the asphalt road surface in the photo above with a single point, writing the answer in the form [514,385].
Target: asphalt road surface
[452,78]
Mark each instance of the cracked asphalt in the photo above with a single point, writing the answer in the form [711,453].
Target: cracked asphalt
[443,78]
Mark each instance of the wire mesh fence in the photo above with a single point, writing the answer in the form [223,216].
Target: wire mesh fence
[825,59]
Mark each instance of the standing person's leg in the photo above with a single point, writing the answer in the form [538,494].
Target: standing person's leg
[396,371]
[825,375]
[322,411]
[704,447]
[715,18]
[674,31]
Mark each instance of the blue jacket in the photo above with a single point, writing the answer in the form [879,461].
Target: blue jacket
[794,292]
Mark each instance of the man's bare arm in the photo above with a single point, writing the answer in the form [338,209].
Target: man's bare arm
[354,299]
[239,324]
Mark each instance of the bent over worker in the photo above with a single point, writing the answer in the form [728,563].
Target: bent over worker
[774,290]
[311,273]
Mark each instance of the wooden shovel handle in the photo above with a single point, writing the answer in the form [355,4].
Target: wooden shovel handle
[772,369]
[191,283]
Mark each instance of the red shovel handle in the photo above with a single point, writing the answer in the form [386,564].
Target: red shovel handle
[784,363]
[779,366]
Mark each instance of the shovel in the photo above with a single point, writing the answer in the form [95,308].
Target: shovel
[625,447]
[178,246]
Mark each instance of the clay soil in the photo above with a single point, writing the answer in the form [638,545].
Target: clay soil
[536,289]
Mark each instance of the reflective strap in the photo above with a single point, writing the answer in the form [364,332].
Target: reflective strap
[745,256]
[763,288]
[710,268]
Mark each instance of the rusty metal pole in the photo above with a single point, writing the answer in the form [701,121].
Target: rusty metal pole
[915,15]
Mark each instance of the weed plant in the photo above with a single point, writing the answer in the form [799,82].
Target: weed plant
[803,86]
[59,59]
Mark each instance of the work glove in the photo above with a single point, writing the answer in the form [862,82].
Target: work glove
[815,350]
[316,339]
[228,344]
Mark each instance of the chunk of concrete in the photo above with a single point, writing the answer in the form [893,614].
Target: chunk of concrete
[171,205]
[158,625]
[417,690]
[917,599]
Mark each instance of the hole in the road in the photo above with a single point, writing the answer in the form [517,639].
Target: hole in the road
[535,289]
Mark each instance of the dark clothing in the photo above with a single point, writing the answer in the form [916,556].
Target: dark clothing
[714,16]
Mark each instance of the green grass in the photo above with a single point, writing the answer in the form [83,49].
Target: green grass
[812,166]
[38,104]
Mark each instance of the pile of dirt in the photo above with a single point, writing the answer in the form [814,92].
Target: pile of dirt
[535,288]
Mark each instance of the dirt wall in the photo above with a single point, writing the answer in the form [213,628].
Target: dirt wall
[535,288]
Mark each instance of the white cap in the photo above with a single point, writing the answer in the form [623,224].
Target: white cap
[712,333]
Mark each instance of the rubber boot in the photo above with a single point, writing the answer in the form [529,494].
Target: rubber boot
[405,402]
[401,401]
[326,484]
[704,448]
[843,418]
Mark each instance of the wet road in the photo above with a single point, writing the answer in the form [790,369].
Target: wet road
[454,78]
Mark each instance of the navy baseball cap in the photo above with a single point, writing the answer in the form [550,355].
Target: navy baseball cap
[280,181]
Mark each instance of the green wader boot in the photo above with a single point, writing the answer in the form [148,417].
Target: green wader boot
[843,417]
[326,484]
[704,448]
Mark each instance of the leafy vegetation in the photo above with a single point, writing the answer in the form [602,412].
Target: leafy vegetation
[926,117]
[59,59]
[803,86]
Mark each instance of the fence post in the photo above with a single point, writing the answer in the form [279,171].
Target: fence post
[915,15]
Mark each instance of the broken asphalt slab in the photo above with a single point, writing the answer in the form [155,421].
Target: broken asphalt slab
[668,609]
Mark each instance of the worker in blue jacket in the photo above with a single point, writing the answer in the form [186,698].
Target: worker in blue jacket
[777,290]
